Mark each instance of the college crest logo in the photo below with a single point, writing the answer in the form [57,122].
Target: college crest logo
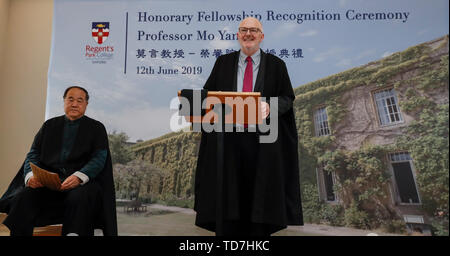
[99,53]
[100,31]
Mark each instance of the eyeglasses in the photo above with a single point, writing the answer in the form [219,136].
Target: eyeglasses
[253,31]
[72,100]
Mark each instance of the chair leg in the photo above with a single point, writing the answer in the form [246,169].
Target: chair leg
[4,230]
[51,230]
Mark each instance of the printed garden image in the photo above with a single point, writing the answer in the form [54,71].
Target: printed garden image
[373,149]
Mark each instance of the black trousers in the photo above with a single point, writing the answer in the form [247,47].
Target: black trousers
[242,152]
[246,228]
[75,209]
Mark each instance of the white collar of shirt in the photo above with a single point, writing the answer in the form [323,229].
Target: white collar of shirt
[256,57]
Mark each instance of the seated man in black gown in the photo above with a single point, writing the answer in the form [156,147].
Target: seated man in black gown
[76,148]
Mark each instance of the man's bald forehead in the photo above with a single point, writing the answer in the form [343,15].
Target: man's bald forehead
[251,20]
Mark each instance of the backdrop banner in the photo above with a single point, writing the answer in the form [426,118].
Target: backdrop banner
[133,56]
[342,57]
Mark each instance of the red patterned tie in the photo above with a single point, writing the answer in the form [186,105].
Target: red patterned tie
[248,76]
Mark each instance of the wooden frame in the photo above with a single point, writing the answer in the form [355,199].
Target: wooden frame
[238,100]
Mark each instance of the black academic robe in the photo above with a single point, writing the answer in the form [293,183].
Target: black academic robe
[276,193]
[91,136]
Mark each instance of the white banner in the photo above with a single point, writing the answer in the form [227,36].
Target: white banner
[133,56]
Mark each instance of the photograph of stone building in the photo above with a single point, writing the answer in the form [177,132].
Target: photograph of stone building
[373,148]
[374,142]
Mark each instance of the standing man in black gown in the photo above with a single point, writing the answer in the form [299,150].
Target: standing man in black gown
[261,186]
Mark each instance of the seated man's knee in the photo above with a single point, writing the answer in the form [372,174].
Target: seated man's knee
[30,193]
[80,194]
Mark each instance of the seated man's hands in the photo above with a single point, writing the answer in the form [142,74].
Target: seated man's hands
[70,183]
[34,183]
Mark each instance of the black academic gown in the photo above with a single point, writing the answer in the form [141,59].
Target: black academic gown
[276,193]
[91,136]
